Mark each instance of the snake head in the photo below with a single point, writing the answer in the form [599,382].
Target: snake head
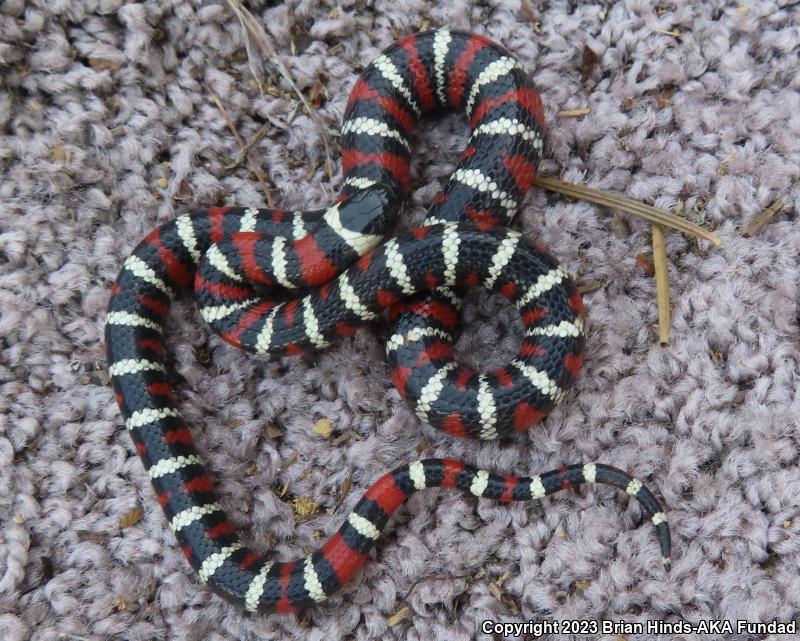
[370,211]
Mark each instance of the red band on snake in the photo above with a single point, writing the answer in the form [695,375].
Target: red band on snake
[240,261]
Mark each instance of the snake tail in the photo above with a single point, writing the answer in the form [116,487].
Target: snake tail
[343,273]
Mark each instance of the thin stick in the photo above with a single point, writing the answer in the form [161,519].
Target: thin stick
[427,579]
[662,283]
[633,207]
[752,228]
[398,616]
[346,486]
[250,144]
[574,113]
[593,287]
[251,161]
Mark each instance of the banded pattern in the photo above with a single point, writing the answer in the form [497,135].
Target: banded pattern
[235,258]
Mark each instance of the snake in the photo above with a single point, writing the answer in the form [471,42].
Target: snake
[278,282]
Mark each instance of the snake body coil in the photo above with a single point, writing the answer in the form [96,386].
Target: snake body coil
[231,256]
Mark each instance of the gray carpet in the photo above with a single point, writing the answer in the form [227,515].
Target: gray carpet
[109,128]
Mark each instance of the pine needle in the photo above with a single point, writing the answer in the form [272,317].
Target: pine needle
[662,283]
[427,579]
[259,135]
[752,228]
[593,287]
[628,205]
[398,616]
[574,113]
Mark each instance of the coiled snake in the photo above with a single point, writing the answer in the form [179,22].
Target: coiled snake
[235,258]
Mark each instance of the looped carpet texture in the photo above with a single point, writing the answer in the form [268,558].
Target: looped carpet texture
[109,128]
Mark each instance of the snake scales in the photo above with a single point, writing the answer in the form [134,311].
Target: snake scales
[236,259]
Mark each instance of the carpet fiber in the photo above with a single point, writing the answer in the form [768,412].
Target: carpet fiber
[109,128]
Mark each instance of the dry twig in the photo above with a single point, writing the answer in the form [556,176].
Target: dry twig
[593,287]
[658,218]
[753,227]
[428,579]
[574,113]
[403,611]
[633,207]
[245,151]
[662,283]
[398,616]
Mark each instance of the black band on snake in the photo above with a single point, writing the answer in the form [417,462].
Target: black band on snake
[236,259]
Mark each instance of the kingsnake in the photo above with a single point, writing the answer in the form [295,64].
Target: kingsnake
[233,258]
